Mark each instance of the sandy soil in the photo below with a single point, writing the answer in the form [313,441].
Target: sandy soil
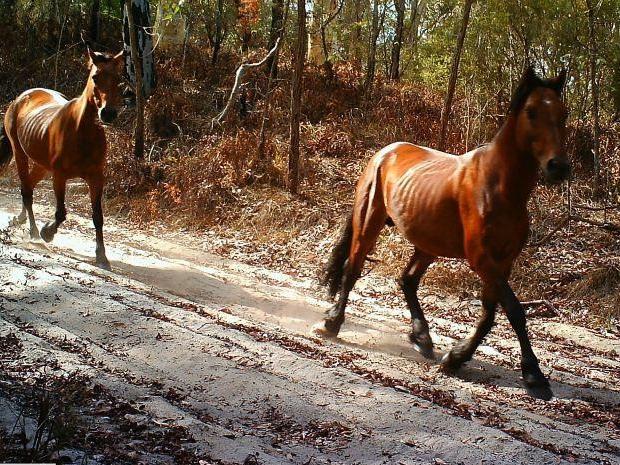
[233,345]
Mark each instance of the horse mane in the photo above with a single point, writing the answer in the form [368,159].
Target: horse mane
[529,82]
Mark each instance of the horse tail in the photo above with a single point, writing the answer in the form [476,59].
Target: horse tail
[6,152]
[334,270]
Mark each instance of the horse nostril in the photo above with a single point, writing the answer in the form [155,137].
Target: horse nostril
[109,114]
[558,168]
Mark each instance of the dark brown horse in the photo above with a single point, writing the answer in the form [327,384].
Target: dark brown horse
[48,133]
[472,206]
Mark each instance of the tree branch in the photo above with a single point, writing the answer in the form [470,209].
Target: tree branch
[241,71]
[551,309]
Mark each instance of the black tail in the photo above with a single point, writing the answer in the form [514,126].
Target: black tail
[334,270]
[6,152]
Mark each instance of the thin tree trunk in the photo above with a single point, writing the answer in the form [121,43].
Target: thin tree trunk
[296,91]
[95,21]
[269,93]
[327,65]
[447,107]
[372,53]
[418,8]
[592,49]
[277,23]
[135,57]
[319,10]
[398,39]
[219,34]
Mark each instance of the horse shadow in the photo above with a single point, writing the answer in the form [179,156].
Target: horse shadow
[485,373]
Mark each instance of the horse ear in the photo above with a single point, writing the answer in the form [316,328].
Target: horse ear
[97,57]
[86,43]
[530,79]
[528,82]
[119,59]
[559,82]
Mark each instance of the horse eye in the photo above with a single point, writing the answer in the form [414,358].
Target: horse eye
[531,113]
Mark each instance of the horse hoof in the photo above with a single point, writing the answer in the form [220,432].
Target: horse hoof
[46,234]
[423,345]
[34,235]
[537,386]
[448,365]
[104,264]
[321,330]
[540,391]
[16,221]
[426,352]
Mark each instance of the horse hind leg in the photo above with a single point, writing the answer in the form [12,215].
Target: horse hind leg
[49,230]
[29,179]
[20,219]
[409,283]
[366,227]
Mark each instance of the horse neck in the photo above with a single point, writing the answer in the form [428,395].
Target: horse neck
[86,109]
[516,170]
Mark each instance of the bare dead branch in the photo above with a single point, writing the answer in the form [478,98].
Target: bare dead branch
[611,227]
[241,71]
[596,209]
[605,225]
[550,234]
[550,312]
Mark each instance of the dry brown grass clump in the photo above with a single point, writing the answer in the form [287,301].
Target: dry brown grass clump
[603,285]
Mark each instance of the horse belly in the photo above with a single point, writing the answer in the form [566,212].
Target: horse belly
[429,218]
[34,135]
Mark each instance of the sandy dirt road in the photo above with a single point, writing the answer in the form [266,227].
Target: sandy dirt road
[233,343]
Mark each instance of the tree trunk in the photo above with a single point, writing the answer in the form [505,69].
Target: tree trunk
[135,56]
[315,52]
[296,91]
[95,21]
[277,23]
[447,107]
[593,52]
[615,89]
[142,25]
[418,8]
[372,52]
[398,39]
[219,34]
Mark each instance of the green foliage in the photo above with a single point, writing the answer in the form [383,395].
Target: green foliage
[502,38]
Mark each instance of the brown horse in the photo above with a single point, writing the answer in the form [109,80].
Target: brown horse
[472,206]
[63,137]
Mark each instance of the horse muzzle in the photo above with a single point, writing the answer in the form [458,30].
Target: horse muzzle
[108,115]
[557,170]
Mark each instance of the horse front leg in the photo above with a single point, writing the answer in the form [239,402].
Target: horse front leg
[533,377]
[95,186]
[49,230]
[495,278]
